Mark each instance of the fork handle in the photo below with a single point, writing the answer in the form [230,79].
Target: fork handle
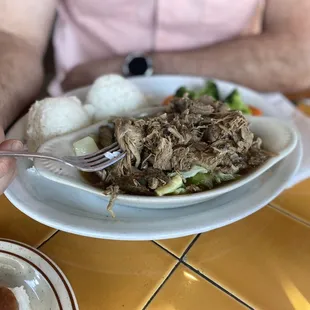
[24,154]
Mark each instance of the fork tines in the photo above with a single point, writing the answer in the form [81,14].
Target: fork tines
[97,161]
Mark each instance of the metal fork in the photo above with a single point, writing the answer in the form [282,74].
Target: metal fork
[89,163]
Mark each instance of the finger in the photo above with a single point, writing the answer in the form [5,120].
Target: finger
[65,84]
[2,135]
[11,145]
[13,175]
[8,164]
[6,180]
[77,77]
[71,82]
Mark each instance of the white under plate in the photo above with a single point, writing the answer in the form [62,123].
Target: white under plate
[44,283]
[72,210]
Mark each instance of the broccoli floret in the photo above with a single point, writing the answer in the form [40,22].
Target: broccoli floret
[181,92]
[235,102]
[210,90]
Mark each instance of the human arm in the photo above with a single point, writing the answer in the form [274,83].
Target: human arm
[276,60]
[24,28]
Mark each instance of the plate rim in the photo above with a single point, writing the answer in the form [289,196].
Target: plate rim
[61,276]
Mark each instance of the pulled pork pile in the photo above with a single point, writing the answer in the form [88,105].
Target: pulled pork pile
[190,133]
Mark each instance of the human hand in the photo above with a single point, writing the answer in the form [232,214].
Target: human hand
[84,74]
[77,77]
[7,165]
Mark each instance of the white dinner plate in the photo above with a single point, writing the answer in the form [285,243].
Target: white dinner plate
[45,284]
[72,210]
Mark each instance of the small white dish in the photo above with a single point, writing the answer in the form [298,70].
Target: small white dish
[45,284]
[278,137]
[72,210]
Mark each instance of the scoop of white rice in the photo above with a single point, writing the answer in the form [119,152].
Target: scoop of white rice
[112,95]
[22,298]
[53,117]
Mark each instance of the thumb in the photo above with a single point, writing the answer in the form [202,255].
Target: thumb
[11,145]
[8,164]
[2,135]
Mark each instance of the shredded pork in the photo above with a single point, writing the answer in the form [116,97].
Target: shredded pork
[191,132]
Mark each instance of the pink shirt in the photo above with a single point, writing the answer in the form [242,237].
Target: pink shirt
[93,29]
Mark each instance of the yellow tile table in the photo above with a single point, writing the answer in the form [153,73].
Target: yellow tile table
[261,262]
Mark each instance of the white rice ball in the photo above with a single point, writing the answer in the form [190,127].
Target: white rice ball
[112,95]
[53,117]
[21,297]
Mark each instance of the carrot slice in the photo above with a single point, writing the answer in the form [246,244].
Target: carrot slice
[167,100]
[255,111]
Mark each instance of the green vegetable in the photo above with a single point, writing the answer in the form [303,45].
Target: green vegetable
[235,102]
[181,92]
[190,173]
[202,179]
[175,183]
[210,90]
[85,146]
[193,95]
[179,191]
[233,96]
[210,179]
[220,177]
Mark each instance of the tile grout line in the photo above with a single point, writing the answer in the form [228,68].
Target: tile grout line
[166,250]
[205,277]
[172,270]
[189,247]
[185,251]
[289,214]
[45,241]
[181,261]
[216,284]
[161,285]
